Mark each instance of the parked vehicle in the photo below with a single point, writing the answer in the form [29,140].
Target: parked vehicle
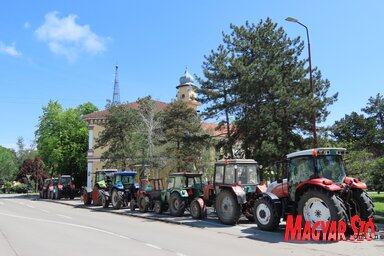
[66,187]
[53,190]
[102,181]
[317,187]
[184,192]
[44,189]
[234,189]
[148,194]
[121,191]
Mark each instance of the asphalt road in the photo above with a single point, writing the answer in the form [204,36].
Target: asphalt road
[37,227]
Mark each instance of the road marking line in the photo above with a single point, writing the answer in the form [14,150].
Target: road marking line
[63,216]
[153,246]
[44,210]
[30,206]
[1,203]
[180,254]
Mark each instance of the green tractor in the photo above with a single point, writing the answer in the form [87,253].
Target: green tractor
[184,192]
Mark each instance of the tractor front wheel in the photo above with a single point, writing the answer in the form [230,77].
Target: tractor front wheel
[144,204]
[104,201]
[321,205]
[176,205]
[132,205]
[158,207]
[197,211]
[117,201]
[361,204]
[227,207]
[266,215]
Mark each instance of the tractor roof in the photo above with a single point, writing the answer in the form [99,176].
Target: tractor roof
[236,161]
[186,174]
[318,151]
[126,173]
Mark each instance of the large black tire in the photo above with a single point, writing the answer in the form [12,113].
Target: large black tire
[116,199]
[196,211]
[266,214]
[227,208]
[176,205]
[144,204]
[361,204]
[320,205]
[104,201]
[132,205]
[158,207]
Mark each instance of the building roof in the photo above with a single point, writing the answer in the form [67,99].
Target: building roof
[209,128]
[186,79]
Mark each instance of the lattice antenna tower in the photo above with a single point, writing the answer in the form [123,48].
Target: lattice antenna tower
[116,88]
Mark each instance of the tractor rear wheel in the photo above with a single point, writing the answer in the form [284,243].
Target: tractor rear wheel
[227,207]
[176,205]
[86,199]
[266,215]
[117,201]
[144,204]
[104,201]
[361,204]
[196,210]
[321,205]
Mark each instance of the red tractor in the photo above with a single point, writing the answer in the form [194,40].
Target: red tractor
[234,189]
[148,194]
[316,187]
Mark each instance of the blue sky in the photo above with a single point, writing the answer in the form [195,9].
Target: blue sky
[67,50]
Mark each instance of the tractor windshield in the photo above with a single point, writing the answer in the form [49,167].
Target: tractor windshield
[125,180]
[247,174]
[65,180]
[331,167]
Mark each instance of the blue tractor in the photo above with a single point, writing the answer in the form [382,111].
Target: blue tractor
[122,190]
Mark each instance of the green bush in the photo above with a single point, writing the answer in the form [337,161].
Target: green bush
[20,188]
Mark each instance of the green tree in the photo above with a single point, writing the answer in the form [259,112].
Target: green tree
[121,137]
[270,95]
[62,140]
[8,164]
[184,136]
[217,90]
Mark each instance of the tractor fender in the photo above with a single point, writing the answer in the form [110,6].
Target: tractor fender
[356,183]
[319,182]
[240,194]
[104,192]
[201,202]
[183,193]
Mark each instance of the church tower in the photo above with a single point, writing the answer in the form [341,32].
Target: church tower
[186,90]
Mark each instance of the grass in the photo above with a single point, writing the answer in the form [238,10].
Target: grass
[378,201]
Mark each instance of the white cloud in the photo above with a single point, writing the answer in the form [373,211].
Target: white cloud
[9,49]
[27,25]
[65,37]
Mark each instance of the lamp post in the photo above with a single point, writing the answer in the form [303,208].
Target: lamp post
[290,19]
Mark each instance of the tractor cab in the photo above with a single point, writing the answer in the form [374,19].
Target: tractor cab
[321,167]
[103,178]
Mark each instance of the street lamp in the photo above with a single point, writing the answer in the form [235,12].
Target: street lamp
[290,19]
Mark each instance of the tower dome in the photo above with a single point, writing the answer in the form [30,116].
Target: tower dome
[186,78]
